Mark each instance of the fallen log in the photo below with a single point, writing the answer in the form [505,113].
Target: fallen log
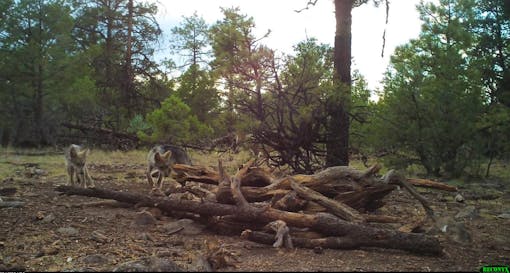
[326,224]
[345,242]
[431,184]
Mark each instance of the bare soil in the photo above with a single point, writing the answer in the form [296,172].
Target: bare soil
[54,232]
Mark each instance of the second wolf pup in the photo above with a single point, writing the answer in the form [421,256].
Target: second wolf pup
[76,165]
[162,158]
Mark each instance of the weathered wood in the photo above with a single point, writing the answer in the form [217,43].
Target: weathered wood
[235,185]
[108,203]
[338,178]
[195,173]
[424,245]
[393,177]
[336,207]
[431,184]
[289,202]
[323,223]
[382,218]
[368,199]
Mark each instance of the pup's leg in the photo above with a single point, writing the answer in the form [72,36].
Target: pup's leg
[88,178]
[149,177]
[160,181]
[70,172]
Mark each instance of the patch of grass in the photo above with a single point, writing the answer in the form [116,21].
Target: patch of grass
[230,161]
[13,161]
[499,169]
[133,157]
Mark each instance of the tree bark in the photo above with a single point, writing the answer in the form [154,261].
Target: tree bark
[338,137]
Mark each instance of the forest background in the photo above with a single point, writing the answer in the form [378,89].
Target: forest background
[68,67]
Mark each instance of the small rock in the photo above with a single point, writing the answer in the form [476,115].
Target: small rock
[50,250]
[144,218]
[99,237]
[39,215]
[505,215]
[459,198]
[95,259]
[69,231]
[40,172]
[318,250]
[157,213]
[48,218]
[188,226]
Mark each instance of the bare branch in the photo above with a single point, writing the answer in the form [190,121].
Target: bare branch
[310,3]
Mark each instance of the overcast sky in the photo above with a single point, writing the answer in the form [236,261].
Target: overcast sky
[289,27]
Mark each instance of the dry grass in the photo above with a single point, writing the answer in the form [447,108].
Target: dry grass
[52,161]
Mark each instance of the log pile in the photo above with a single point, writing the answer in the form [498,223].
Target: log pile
[329,209]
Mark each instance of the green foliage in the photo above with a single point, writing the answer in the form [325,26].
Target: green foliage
[361,113]
[433,97]
[197,90]
[138,124]
[174,123]
[191,39]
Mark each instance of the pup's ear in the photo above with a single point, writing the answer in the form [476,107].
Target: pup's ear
[167,155]
[85,153]
[157,157]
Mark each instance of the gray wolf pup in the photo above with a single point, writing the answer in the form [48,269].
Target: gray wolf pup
[162,158]
[76,164]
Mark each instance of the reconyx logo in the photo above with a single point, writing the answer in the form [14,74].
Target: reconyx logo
[494,268]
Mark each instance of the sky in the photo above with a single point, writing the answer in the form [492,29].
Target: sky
[288,27]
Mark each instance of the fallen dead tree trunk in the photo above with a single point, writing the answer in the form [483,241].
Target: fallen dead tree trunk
[418,244]
[328,225]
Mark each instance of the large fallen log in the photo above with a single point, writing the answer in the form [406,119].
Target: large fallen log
[350,241]
[326,224]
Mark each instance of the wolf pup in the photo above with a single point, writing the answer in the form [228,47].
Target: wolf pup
[162,158]
[76,164]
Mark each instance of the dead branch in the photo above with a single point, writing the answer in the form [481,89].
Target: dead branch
[392,177]
[336,207]
[431,184]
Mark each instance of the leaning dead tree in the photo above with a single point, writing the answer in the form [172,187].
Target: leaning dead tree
[329,209]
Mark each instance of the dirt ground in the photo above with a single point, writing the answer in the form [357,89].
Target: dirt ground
[53,232]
